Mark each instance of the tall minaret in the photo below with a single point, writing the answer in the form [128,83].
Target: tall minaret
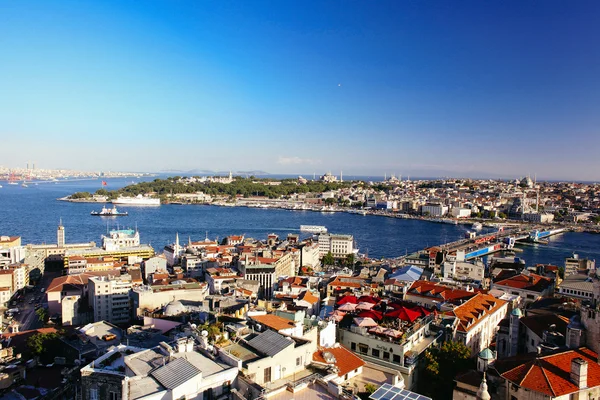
[341,176]
[482,393]
[177,241]
[60,235]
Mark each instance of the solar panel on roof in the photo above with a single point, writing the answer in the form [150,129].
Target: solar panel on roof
[389,392]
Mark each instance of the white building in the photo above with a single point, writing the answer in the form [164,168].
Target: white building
[154,297]
[339,245]
[162,372]
[109,298]
[461,270]
[459,212]
[434,209]
[118,239]
[478,320]
[310,256]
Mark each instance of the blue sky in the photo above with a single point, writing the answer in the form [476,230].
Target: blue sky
[459,88]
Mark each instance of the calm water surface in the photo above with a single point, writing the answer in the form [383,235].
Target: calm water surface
[33,213]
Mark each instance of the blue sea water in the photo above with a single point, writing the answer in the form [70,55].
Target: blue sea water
[34,213]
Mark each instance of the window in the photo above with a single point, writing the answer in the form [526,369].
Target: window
[396,359]
[298,361]
[93,394]
[114,396]
[386,355]
[267,375]
[375,353]
[363,348]
[353,346]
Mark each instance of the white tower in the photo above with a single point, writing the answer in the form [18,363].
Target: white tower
[482,393]
[60,235]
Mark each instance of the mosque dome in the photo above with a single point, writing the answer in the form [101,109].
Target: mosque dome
[486,354]
[174,308]
[516,312]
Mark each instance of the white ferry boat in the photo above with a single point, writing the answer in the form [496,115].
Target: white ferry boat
[477,226]
[313,229]
[109,212]
[139,200]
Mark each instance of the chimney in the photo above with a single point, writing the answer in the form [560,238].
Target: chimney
[579,372]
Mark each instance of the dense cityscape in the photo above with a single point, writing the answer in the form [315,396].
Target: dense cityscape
[307,314]
[285,200]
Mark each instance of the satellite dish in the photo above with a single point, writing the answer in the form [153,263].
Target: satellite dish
[194,326]
[204,333]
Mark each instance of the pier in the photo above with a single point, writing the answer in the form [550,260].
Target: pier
[504,239]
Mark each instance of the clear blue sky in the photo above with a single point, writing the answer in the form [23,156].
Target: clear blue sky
[414,87]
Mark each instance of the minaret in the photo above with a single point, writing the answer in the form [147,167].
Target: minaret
[341,176]
[482,393]
[177,240]
[60,235]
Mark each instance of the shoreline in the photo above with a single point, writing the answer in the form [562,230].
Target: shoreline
[487,223]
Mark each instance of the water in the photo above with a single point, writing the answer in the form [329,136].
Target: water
[34,213]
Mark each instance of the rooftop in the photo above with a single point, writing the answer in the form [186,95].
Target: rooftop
[550,374]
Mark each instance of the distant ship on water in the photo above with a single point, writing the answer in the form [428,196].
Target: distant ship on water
[139,200]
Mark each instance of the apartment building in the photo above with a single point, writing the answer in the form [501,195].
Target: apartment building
[339,245]
[109,298]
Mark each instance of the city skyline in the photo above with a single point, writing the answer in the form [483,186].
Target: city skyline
[464,89]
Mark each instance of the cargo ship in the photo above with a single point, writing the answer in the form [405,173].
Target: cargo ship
[109,212]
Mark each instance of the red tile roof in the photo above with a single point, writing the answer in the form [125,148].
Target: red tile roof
[532,282]
[435,291]
[550,374]
[476,309]
[75,281]
[274,322]
[345,360]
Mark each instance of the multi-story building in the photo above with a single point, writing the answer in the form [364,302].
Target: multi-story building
[150,298]
[434,209]
[310,255]
[567,374]
[530,287]
[575,264]
[339,245]
[478,320]
[120,238]
[109,298]
[177,371]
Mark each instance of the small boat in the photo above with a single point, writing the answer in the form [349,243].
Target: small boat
[477,226]
[109,212]
[24,185]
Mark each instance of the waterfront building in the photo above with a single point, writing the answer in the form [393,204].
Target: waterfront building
[462,271]
[120,238]
[338,245]
[434,209]
[459,212]
[575,264]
